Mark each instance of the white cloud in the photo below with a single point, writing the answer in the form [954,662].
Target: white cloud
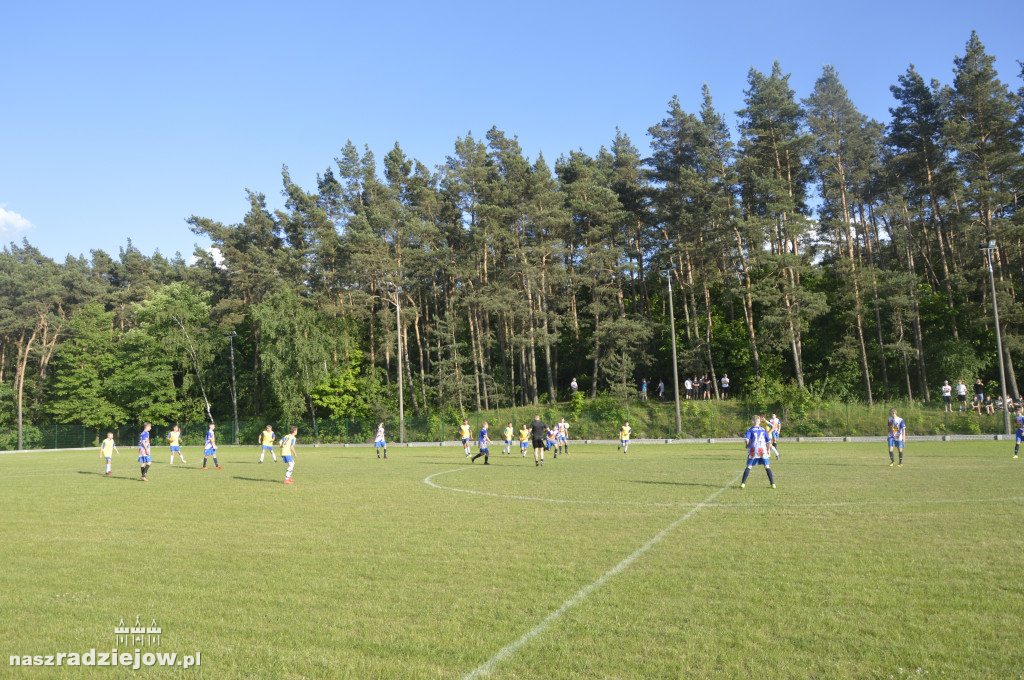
[218,257]
[11,222]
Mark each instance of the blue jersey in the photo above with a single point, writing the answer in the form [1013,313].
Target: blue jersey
[210,440]
[144,441]
[757,442]
[483,437]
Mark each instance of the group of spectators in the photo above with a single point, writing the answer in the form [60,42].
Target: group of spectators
[694,388]
[981,403]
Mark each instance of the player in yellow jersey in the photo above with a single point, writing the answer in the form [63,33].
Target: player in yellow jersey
[466,434]
[508,434]
[267,440]
[107,447]
[288,454]
[524,439]
[624,437]
[174,437]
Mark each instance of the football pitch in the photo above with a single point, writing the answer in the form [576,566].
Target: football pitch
[653,564]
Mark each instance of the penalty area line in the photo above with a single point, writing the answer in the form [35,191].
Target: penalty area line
[510,649]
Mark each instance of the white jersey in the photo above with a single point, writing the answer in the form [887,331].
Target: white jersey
[947,391]
[961,389]
[563,429]
[776,424]
[688,385]
[380,435]
[757,443]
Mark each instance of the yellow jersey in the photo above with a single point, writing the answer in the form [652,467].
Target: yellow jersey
[107,447]
[267,438]
[465,431]
[287,444]
[624,434]
[174,438]
[508,433]
[524,435]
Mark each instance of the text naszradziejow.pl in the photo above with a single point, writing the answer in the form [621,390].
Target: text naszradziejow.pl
[135,660]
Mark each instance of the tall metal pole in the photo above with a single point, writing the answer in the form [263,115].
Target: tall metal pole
[234,391]
[401,398]
[675,360]
[999,338]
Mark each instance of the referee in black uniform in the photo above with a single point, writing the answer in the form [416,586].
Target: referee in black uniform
[539,432]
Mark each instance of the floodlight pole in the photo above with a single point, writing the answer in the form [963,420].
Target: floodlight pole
[988,248]
[234,392]
[675,360]
[401,398]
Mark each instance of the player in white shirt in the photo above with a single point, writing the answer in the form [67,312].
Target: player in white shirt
[961,394]
[773,432]
[379,441]
[562,435]
[947,397]
[897,436]
[756,439]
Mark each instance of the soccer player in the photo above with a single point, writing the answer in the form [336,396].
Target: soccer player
[897,436]
[961,394]
[107,447]
[482,442]
[776,429]
[288,454]
[379,442]
[757,452]
[524,439]
[947,397]
[508,433]
[550,441]
[624,437]
[562,434]
[210,448]
[267,443]
[145,457]
[174,437]
[538,432]
[1016,448]
[466,433]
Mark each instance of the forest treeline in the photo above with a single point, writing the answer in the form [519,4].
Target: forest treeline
[812,248]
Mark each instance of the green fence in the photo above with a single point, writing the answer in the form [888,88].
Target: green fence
[652,420]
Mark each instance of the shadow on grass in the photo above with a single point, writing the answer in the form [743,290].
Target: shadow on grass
[253,479]
[643,481]
[119,477]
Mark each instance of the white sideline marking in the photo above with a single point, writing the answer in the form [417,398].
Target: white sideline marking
[512,648]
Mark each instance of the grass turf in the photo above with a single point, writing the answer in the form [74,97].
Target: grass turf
[849,568]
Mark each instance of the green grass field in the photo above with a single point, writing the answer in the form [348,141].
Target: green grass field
[361,569]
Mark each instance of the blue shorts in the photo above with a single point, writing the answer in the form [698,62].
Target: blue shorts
[209,452]
[547,444]
[175,449]
[1020,435]
[381,445]
[524,445]
[483,449]
[287,459]
[268,448]
[108,459]
[561,437]
[751,462]
[623,441]
[144,459]
[775,437]
[895,442]
[465,441]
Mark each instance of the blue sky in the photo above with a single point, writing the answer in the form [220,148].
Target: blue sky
[120,120]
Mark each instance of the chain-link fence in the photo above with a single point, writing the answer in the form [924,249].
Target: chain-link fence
[656,420]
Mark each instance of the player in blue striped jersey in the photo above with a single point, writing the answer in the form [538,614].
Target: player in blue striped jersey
[758,453]
[210,447]
[145,455]
[897,436]
[1020,430]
